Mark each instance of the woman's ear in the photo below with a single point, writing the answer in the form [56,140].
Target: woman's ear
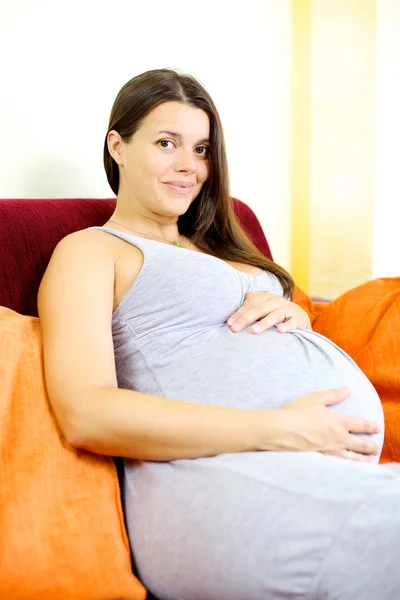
[116,147]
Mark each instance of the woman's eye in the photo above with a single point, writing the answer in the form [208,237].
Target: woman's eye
[202,150]
[168,144]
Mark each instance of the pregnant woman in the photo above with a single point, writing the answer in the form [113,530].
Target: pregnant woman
[250,455]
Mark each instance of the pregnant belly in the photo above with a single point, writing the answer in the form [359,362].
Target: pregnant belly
[266,371]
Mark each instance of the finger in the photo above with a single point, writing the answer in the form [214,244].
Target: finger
[301,321]
[250,313]
[274,318]
[252,299]
[360,425]
[264,294]
[238,313]
[289,325]
[261,304]
[332,397]
[246,318]
[362,446]
[357,456]
[361,457]
[350,455]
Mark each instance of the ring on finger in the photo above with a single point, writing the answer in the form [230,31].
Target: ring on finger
[285,317]
[348,454]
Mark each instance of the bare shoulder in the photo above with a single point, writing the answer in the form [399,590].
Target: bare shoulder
[92,248]
[100,241]
[89,263]
[77,255]
[89,242]
[81,266]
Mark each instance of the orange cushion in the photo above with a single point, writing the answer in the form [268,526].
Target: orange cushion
[62,534]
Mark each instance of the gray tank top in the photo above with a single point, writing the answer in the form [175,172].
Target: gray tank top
[171,339]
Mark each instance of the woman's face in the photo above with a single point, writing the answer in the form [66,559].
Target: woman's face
[166,163]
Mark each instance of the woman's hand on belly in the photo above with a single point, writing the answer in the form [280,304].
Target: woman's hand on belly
[308,425]
[264,310]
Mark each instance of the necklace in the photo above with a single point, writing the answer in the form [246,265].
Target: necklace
[177,243]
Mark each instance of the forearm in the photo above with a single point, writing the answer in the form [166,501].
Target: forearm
[120,422]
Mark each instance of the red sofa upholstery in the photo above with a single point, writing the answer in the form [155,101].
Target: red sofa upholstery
[30,230]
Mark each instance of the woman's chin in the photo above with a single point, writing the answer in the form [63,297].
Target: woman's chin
[177,206]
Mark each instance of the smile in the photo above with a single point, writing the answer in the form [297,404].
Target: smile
[179,188]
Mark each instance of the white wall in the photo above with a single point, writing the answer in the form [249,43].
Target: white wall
[63,62]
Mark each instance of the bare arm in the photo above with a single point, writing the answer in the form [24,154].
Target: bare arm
[75,307]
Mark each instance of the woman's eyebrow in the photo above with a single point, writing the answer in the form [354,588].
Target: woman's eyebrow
[176,134]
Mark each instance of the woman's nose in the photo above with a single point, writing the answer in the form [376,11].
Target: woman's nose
[185,161]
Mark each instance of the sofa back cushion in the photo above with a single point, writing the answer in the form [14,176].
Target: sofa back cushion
[31,229]
[62,533]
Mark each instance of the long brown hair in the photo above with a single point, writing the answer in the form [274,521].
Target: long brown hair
[210,221]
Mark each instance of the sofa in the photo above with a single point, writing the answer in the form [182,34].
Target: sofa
[30,230]
[63,535]
[62,529]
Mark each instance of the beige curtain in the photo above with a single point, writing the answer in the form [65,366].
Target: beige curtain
[333,143]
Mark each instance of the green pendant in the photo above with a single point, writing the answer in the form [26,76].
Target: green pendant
[177,244]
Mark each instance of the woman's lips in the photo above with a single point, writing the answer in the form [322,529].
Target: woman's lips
[183,189]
